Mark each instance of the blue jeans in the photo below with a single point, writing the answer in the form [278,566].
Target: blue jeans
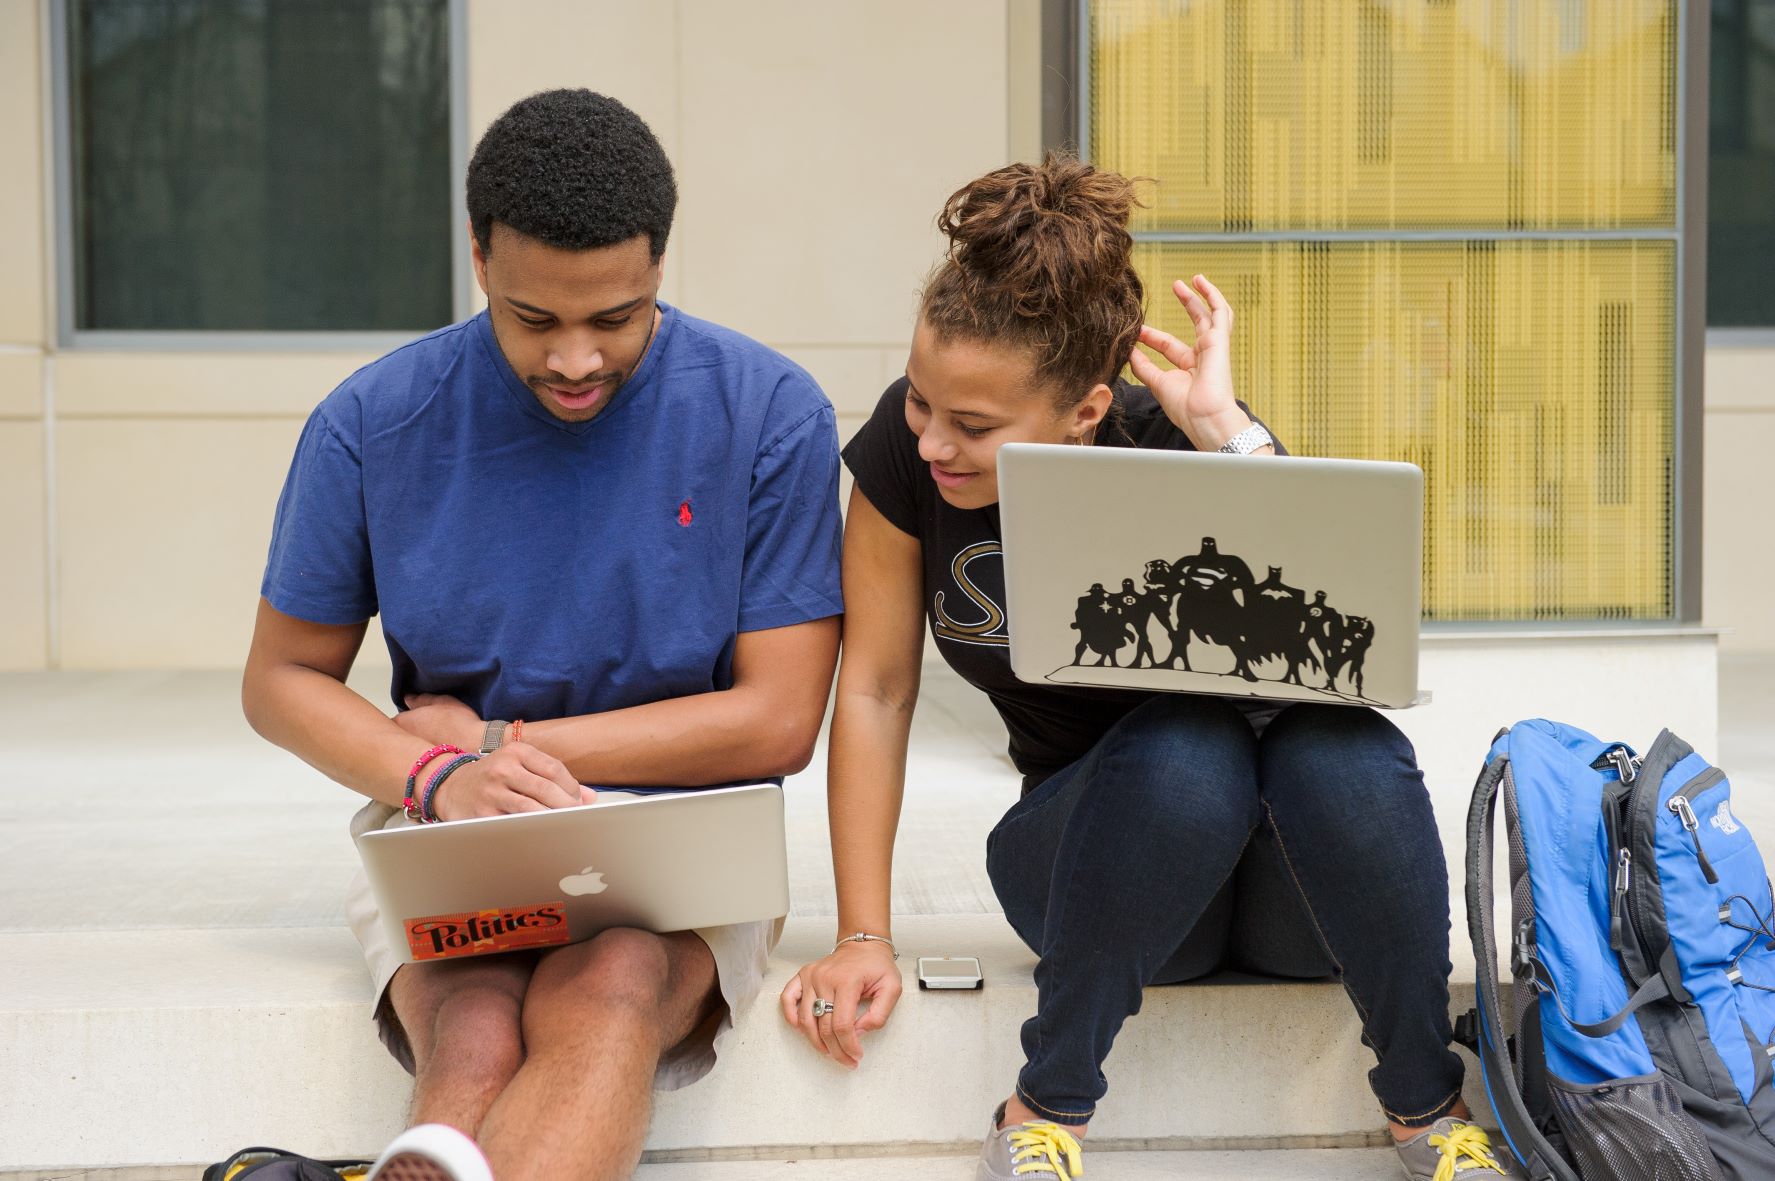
[1183,842]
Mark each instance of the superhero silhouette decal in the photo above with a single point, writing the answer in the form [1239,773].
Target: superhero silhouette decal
[1211,605]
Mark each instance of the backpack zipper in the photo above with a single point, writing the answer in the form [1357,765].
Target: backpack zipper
[1618,912]
[1682,804]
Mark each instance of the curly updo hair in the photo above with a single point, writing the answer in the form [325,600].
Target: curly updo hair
[1040,258]
[573,169]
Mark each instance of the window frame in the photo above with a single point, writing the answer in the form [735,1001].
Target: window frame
[1066,124]
[67,334]
[1731,336]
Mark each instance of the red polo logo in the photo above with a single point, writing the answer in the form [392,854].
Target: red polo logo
[684,517]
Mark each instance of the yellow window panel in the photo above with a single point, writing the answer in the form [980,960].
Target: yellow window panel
[1389,114]
[1533,381]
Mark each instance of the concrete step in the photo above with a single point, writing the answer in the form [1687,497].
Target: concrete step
[176,981]
[1114,1165]
[1283,1165]
[159,1047]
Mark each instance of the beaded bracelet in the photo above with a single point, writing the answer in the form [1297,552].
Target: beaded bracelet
[428,815]
[410,804]
[518,730]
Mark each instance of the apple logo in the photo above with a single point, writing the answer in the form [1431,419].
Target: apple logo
[584,882]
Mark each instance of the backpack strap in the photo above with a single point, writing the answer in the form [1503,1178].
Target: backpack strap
[1524,1139]
[1655,988]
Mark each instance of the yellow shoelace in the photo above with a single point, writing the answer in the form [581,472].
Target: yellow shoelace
[1046,1146]
[1467,1143]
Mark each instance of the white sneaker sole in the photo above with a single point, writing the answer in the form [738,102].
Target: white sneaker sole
[431,1152]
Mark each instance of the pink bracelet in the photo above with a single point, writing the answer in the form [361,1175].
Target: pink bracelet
[410,804]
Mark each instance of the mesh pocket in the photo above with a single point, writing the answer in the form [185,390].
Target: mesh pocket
[1631,1129]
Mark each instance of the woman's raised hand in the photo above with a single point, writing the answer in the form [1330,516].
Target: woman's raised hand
[854,973]
[1197,395]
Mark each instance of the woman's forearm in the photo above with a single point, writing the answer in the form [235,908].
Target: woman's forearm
[866,780]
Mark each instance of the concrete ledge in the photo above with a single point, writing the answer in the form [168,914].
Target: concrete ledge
[159,1047]
[1319,1164]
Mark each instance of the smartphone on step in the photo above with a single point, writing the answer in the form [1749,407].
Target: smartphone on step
[949,971]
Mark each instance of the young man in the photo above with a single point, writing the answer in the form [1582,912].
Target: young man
[588,512]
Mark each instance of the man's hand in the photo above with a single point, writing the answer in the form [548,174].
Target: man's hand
[856,972]
[438,717]
[515,778]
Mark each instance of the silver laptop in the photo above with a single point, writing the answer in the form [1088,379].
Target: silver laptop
[1294,579]
[665,862]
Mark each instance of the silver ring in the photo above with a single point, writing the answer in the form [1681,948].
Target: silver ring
[823,1008]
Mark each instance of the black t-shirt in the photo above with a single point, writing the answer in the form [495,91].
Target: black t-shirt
[1050,726]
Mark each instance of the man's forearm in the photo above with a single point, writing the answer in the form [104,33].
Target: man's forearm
[708,738]
[331,728]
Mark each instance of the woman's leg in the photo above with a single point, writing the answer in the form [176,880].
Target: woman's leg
[1104,869]
[1205,948]
[1343,792]
[1272,932]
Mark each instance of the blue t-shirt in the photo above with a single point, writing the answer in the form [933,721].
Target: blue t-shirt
[541,569]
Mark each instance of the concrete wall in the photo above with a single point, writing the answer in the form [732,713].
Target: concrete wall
[138,486]
[1738,549]
[814,143]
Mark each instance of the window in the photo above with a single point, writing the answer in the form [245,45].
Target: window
[257,165]
[1741,166]
[1450,232]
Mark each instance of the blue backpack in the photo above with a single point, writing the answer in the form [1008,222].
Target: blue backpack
[1640,1031]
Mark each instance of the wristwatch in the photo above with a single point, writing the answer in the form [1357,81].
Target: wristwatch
[1247,440]
[493,737]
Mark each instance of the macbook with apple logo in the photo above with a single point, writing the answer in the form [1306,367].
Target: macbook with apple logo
[665,861]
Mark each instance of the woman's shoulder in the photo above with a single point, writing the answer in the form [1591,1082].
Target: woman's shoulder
[883,459]
[886,431]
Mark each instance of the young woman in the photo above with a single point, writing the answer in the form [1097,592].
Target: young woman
[1159,836]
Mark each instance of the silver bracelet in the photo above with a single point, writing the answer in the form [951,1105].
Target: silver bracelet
[1252,438]
[865,937]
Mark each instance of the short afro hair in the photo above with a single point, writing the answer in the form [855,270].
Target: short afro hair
[573,169]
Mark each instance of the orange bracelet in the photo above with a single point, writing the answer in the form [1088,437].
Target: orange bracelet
[518,730]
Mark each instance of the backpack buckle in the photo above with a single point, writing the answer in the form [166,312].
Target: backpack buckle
[1523,961]
[1467,1029]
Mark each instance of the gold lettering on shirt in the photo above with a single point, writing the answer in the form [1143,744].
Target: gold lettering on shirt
[988,632]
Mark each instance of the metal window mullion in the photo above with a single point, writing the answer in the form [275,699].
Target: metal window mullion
[62,169]
[1692,39]
[1450,235]
[462,272]
[1083,36]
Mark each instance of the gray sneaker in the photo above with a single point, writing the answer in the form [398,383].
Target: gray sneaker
[1452,1148]
[1032,1150]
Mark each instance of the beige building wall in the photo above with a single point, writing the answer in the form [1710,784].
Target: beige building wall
[24,575]
[811,167]
[814,143]
[1738,546]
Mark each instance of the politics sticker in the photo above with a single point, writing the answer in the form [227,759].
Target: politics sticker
[484,932]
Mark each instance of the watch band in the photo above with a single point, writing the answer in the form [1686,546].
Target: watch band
[1248,440]
[494,737]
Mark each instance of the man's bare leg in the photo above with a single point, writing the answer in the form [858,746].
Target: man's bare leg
[596,1018]
[463,1020]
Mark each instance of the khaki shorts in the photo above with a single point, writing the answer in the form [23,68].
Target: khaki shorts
[740,950]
